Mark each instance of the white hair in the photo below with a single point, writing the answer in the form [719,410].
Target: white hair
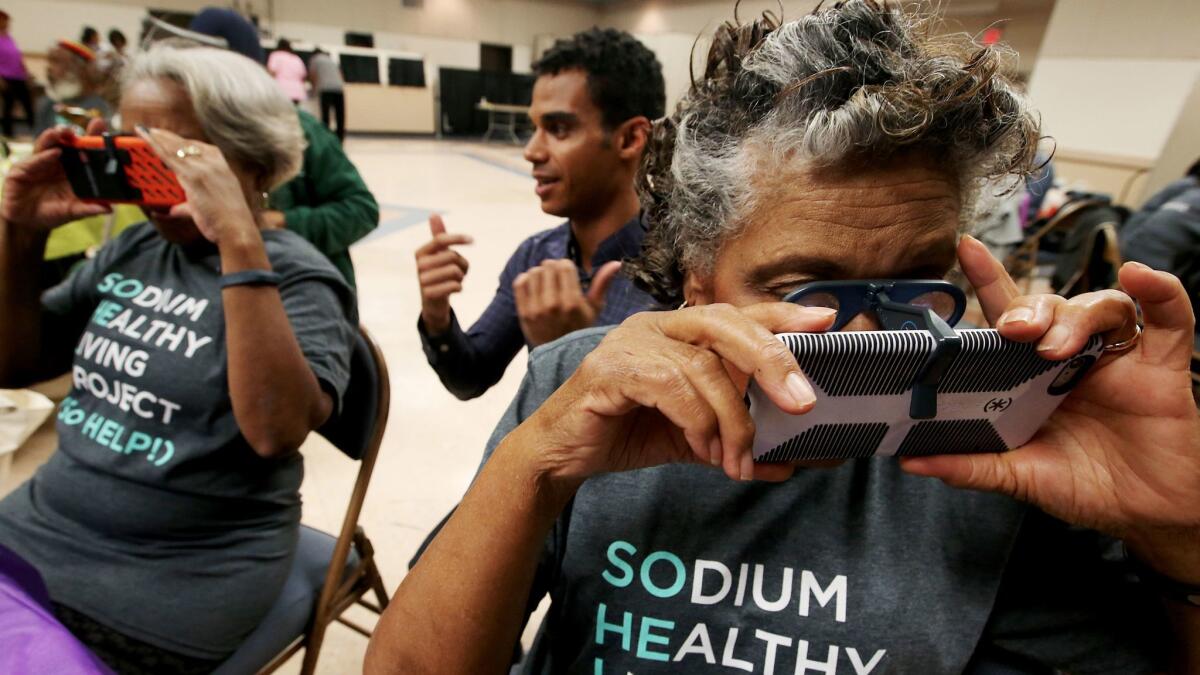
[241,109]
[855,81]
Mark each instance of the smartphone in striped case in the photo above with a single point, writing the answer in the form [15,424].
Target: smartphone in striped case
[992,396]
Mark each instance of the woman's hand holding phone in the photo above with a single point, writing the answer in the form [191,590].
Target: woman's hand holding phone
[216,201]
[668,387]
[1122,453]
[36,192]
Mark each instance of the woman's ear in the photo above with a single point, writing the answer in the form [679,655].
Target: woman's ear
[697,290]
[253,187]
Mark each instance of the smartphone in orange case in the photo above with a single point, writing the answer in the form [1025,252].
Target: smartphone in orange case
[111,169]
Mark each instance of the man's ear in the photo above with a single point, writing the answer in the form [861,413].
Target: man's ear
[697,289]
[631,138]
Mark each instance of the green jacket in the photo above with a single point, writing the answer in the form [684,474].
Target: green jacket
[327,203]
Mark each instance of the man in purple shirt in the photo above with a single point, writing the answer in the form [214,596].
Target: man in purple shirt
[14,77]
[593,101]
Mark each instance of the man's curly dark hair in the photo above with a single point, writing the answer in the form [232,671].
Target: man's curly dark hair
[625,79]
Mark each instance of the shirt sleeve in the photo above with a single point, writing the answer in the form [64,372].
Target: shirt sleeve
[337,209]
[1157,236]
[469,362]
[324,329]
[1069,601]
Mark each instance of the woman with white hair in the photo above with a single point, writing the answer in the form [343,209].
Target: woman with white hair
[845,145]
[205,349]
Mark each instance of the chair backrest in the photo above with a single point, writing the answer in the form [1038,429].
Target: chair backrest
[357,430]
[1089,259]
[1022,262]
[352,428]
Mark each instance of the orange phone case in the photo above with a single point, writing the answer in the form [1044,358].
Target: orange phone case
[144,171]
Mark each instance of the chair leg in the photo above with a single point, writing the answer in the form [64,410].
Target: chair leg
[367,553]
[312,646]
[377,586]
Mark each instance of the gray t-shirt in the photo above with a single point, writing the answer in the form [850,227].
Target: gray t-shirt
[859,569]
[155,516]
[326,74]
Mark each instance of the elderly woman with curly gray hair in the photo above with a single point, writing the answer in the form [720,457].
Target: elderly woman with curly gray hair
[202,350]
[843,145]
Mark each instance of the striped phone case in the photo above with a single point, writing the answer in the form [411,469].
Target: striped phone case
[994,397]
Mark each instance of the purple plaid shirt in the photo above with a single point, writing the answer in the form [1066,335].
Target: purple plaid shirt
[470,362]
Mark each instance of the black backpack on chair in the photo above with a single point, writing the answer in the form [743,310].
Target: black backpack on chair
[1089,254]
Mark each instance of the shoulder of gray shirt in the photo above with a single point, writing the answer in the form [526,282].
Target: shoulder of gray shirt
[292,257]
[297,260]
[558,359]
[549,366]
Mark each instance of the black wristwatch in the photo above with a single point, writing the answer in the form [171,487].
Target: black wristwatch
[251,278]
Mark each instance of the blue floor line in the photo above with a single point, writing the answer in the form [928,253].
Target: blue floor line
[409,216]
[413,215]
[496,164]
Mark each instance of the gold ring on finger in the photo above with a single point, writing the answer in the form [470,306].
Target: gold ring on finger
[1125,345]
[187,151]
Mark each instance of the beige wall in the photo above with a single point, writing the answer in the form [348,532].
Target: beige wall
[1023,30]
[376,108]
[1182,147]
[510,22]
[690,17]
[1116,29]
[446,33]
[672,27]
[1114,78]
[1023,22]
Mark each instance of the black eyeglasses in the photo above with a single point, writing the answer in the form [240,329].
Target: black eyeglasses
[930,305]
[882,297]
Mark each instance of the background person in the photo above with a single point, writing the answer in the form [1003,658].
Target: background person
[116,45]
[72,82]
[288,70]
[238,33]
[90,37]
[843,145]
[593,101]
[327,203]
[110,62]
[165,524]
[327,82]
[15,78]
[1165,233]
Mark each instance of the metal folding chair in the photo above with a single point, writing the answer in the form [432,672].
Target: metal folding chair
[329,575]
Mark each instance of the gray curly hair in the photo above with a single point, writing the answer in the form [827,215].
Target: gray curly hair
[241,109]
[856,81]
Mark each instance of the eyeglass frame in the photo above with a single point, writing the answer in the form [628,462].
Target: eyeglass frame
[855,296]
[887,299]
